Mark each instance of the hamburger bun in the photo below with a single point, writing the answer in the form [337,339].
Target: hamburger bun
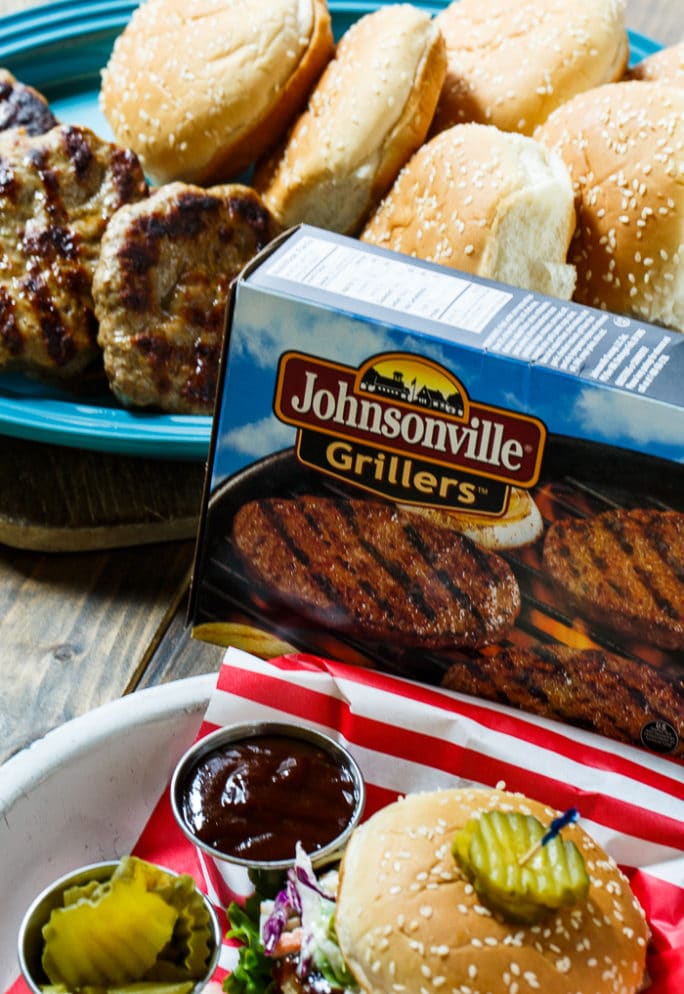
[369,112]
[623,144]
[511,64]
[665,66]
[521,524]
[201,90]
[486,202]
[413,923]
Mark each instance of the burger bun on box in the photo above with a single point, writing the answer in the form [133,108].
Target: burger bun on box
[200,90]
[520,524]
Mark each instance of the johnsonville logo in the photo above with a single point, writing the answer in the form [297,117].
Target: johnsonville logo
[403,427]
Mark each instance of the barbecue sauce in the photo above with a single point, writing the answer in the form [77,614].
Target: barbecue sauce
[256,798]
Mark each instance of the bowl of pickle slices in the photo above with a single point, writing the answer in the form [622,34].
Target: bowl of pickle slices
[118,926]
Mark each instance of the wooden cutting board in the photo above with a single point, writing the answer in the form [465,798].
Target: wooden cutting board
[60,499]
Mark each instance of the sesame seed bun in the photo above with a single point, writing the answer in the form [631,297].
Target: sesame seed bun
[369,112]
[200,91]
[623,144]
[483,201]
[665,66]
[407,920]
[511,64]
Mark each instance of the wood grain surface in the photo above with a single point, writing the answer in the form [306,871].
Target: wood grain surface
[93,500]
[80,628]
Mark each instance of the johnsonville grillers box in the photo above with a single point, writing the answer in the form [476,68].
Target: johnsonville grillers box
[454,481]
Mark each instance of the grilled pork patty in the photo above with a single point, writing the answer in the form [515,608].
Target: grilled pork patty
[624,570]
[370,569]
[57,193]
[161,287]
[589,688]
[23,107]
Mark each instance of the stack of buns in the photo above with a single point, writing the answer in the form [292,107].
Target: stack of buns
[461,138]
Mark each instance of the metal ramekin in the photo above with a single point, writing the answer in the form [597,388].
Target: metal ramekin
[232,878]
[30,940]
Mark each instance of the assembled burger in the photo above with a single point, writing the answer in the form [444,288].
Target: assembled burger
[441,893]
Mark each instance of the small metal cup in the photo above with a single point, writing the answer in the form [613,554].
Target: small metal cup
[30,941]
[233,878]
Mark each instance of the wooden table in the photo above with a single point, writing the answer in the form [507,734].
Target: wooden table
[80,628]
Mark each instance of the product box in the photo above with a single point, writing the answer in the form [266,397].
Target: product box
[451,480]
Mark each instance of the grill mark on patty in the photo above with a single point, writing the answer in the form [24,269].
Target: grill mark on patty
[59,342]
[52,242]
[54,207]
[333,592]
[256,216]
[278,525]
[200,387]
[78,151]
[617,526]
[427,554]
[8,180]
[186,218]
[23,107]
[9,332]
[390,566]
[124,170]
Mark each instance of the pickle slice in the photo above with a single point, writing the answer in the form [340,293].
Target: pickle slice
[142,931]
[113,936]
[490,851]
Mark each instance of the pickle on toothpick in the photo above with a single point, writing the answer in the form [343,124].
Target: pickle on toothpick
[502,856]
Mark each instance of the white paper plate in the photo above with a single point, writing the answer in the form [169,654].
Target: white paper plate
[84,792]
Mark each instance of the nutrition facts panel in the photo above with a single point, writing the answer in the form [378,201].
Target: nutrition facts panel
[387,282]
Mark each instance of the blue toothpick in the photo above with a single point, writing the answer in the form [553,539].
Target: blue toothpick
[554,829]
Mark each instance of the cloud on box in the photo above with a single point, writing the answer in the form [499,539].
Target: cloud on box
[616,417]
[321,332]
[259,438]
[334,335]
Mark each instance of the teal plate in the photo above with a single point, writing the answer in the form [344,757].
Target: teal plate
[60,49]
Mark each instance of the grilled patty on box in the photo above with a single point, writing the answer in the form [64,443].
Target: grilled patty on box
[624,569]
[370,569]
[590,688]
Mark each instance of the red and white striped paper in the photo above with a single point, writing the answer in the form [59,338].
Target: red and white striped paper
[408,737]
